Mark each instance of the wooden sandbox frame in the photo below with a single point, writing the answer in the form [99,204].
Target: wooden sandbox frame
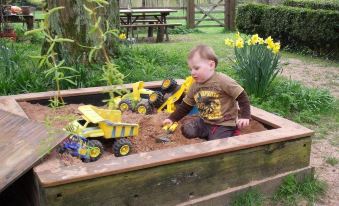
[207,173]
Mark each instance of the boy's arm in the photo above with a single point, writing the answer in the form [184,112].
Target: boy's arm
[244,104]
[182,110]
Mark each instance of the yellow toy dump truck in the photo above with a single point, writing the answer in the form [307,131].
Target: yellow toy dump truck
[141,100]
[106,124]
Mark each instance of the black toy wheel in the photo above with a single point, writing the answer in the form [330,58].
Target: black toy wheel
[96,150]
[122,147]
[144,107]
[156,99]
[125,105]
[168,85]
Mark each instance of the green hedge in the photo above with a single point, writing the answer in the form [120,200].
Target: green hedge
[297,28]
[314,4]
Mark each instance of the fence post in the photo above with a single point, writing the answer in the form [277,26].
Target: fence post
[229,15]
[190,14]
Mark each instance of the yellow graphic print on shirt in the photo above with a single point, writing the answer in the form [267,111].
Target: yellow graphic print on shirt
[208,103]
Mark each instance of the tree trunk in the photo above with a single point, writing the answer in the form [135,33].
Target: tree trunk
[73,22]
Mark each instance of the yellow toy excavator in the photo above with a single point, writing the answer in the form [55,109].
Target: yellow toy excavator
[140,99]
[177,93]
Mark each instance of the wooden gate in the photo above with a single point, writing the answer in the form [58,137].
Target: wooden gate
[215,13]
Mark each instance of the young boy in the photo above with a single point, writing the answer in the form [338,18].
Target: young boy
[215,95]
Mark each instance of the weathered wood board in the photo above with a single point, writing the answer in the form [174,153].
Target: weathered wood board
[22,143]
[176,182]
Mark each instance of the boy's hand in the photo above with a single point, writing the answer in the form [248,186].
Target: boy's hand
[167,121]
[243,123]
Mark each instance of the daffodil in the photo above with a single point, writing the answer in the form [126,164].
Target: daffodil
[238,35]
[276,48]
[269,40]
[239,43]
[122,36]
[255,39]
[229,42]
[261,41]
[248,42]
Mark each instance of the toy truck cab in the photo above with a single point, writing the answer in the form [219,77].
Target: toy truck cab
[106,124]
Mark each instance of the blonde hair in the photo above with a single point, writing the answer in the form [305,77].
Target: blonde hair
[204,52]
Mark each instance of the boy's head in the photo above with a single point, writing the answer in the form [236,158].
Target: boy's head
[202,62]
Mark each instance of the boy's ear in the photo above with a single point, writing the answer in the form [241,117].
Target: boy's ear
[212,64]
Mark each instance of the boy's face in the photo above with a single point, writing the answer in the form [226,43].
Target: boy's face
[201,69]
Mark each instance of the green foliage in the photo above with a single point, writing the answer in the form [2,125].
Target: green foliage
[250,198]
[150,63]
[55,68]
[292,190]
[111,75]
[313,4]
[18,72]
[296,28]
[183,30]
[293,100]
[256,65]
[35,38]
[332,161]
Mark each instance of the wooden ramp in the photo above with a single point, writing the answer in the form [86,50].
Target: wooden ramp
[22,143]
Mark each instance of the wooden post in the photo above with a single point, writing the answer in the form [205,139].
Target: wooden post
[229,16]
[190,16]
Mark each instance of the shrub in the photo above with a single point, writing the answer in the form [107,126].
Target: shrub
[291,99]
[256,63]
[314,4]
[291,190]
[297,28]
[18,73]
[150,63]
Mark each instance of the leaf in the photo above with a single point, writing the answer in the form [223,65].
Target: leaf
[90,12]
[63,40]
[33,31]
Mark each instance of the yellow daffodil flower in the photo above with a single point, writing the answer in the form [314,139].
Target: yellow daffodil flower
[269,40]
[229,42]
[255,39]
[239,43]
[122,36]
[248,42]
[261,41]
[238,35]
[276,48]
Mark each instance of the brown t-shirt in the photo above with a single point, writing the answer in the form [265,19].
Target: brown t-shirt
[215,99]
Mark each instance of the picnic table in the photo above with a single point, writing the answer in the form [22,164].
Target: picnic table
[28,19]
[152,18]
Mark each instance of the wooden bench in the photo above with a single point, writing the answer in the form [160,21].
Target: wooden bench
[162,28]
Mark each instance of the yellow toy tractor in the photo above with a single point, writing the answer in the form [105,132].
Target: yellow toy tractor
[140,99]
[106,124]
[175,93]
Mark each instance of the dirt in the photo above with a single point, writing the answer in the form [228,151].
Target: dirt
[322,77]
[145,141]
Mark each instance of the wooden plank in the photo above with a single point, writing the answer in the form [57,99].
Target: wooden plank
[10,105]
[22,143]
[190,14]
[174,183]
[232,14]
[266,186]
[150,25]
[214,25]
[79,92]
[167,156]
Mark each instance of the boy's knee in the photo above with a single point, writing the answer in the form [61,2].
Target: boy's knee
[189,130]
[194,129]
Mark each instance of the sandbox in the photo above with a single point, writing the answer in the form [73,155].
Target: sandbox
[198,173]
